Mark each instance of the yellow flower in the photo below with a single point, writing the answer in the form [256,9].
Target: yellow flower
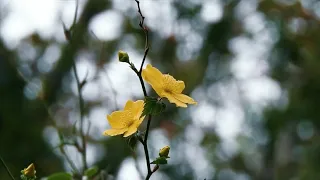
[164,152]
[126,121]
[167,86]
[30,171]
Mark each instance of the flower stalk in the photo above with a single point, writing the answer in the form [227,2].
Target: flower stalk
[139,74]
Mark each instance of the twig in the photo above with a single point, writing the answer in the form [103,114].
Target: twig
[146,32]
[6,167]
[113,91]
[83,149]
[81,103]
[144,142]
[62,143]
[71,163]
[81,109]
[75,14]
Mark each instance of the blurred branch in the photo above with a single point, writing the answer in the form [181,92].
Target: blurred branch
[6,167]
[54,79]
[62,142]
[69,36]
[81,109]
[113,91]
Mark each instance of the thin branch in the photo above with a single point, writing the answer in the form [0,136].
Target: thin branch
[146,32]
[62,143]
[113,91]
[146,50]
[75,14]
[140,79]
[6,167]
[145,146]
[144,57]
[71,163]
[81,103]
[81,109]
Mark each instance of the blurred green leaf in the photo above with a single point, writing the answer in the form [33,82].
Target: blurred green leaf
[132,141]
[160,160]
[60,176]
[91,171]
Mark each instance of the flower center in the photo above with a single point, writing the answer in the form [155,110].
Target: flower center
[128,118]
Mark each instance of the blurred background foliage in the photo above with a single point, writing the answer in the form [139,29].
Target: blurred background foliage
[253,66]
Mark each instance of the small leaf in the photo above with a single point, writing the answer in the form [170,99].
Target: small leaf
[160,160]
[132,142]
[91,171]
[152,106]
[60,176]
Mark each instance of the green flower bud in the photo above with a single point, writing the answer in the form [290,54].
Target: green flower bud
[164,152]
[123,56]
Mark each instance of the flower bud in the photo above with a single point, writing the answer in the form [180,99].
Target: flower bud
[123,56]
[30,171]
[164,152]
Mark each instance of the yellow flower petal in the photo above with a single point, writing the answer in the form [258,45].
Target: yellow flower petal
[154,77]
[167,86]
[119,119]
[132,129]
[30,171]
[172,99]
[170,84]
[179,86]
[135,107]
[114,132]
[139,105]
[126,121]
[128,105]
[184,98]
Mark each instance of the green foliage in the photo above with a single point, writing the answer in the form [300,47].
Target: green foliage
[152,106]
[60,176]
[91,171]
[160,160]
[23,177]
[132,141]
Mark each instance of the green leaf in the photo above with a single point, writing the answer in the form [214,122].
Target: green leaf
[152,106]
[160,160]
[91,171]
[60,176]
[132,142]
